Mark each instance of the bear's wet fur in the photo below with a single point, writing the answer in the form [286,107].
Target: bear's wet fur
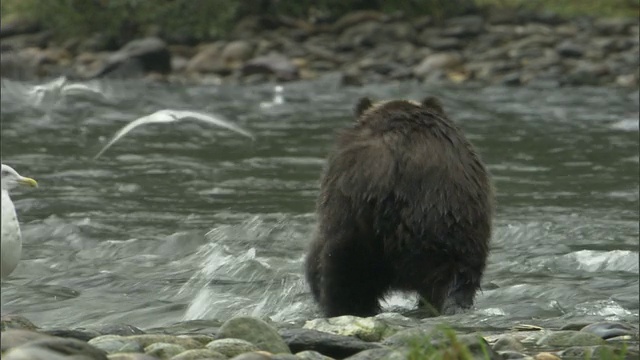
[405,204]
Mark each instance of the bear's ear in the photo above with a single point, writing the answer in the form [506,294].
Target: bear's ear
[362,105]
[432,103]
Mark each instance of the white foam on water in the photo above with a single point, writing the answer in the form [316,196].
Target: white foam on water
[615,260]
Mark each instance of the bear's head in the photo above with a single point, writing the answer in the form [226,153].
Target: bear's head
[366,109]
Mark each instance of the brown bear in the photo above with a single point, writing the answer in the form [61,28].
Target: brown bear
[405,204]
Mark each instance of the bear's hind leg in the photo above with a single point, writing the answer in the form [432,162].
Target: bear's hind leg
[353,281]
[463,290]
[434,289]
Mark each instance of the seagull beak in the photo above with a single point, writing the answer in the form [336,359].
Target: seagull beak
[28,182]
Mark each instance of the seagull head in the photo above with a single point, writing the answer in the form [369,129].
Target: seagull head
[11,178]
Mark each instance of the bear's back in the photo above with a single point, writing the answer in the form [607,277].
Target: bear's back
[407,165]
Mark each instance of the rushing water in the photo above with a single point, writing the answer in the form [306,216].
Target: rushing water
[187,221]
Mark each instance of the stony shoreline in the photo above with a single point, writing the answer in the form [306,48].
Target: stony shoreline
[506,47]
[386,336]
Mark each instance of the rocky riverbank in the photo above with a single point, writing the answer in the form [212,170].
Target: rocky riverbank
[386,336]
[506,47]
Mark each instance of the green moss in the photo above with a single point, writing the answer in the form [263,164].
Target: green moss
[574,8]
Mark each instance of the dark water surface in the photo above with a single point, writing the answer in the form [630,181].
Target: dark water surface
[187,221]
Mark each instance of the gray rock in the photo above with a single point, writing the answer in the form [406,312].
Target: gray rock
[207,327]
[138,57]
[164,350]
[312,355]
[208,60]
[131,356]
[200,354]
[586,73]
[569,48]
[444,43]
[566,338]
[148,339]
[615,26]
[609,329]
[80,334]
[512,79]
[284,357]
[273,64]
[16,322]
[514,355]
[255,331]
[97,42]
[591,352]
[438,61]
[252,356]
[361,35]
[16,337]
[201,338]
[237,51]
[574,326]
[374,354]
[367,329]
[409,337]
[117,329]
[231,347]
[476,345]
[464,26]
[508,342]
[336,346]
[53,348]
[17,25]
[115,344]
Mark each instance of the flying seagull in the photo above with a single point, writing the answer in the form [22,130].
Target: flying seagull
[168,116]
[52,92]
[11,235]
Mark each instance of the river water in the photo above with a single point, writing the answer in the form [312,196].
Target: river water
[187,221]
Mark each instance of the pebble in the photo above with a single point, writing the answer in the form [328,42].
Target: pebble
[567,338]
[164,350]
[406,49]
[607,329]
[390,336]
[255,331]
[231,347]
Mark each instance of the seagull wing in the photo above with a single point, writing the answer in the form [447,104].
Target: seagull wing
[80,89]
[161,116]
[216,120]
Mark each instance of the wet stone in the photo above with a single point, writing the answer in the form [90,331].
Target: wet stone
[80,334]
[337,346]
[255,331]
[591,352]
[367,329]
[131,356]
[312,355]
[164,350]
[115,344]
[55,347]
[231,347]
[118,329]
[546,356]
[608,329]
[197,354]
[252,356]
[507,342]
[566,338]
[17,337]
[514,355]
[16,322]
[148,339]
